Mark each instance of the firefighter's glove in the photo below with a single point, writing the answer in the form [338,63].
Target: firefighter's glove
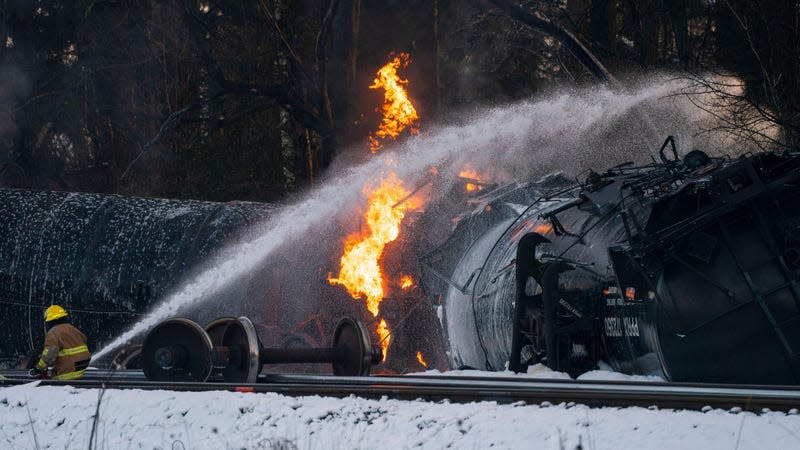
[35,373]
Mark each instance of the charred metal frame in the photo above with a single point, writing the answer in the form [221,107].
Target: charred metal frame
[721,189]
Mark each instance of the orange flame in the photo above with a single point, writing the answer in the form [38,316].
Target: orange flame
[470,173]
[398,111]
[385,335]
[543,228]
[474,179]
[406,282]
[421,360]
[360,271]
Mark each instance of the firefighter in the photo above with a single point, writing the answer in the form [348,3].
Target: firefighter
[65,355]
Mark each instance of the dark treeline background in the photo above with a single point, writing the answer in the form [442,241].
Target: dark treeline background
[251,100]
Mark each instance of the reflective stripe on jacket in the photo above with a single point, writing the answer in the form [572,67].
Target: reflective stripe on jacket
[66,351]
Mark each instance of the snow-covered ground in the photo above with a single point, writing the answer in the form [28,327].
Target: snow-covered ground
[62,417]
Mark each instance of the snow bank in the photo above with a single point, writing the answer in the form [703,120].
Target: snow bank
[61,417]
[542,372]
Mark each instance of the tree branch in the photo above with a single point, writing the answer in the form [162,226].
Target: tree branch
[562,35]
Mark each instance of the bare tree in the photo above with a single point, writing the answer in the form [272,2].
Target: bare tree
[564,36]
[754,93]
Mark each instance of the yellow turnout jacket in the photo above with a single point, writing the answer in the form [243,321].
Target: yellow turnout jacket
[65,350]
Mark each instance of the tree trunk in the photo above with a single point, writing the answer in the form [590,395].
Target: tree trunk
[604,24]
[285,128]
[342,65]
[680,26]
[648,32]
[437,76]
[779,48]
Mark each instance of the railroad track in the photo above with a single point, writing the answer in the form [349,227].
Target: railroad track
[469,389]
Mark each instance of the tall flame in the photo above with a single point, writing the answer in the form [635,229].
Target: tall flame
[398,111]
[360,271]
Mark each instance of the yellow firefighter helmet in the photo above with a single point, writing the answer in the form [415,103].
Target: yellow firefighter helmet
[54,312]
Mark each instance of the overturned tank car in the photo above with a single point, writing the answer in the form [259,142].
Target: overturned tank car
[106,258]
[684,268]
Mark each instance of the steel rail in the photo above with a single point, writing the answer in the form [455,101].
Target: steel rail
[471,389]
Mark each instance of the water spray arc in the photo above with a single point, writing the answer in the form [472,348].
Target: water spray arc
[570,131]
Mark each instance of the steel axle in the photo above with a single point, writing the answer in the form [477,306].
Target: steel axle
[179,350]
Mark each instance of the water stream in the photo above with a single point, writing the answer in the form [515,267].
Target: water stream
[569,131]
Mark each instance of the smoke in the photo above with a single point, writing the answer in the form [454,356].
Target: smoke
[569,131]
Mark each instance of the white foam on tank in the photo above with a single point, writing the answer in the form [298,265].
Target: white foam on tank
[570,131]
